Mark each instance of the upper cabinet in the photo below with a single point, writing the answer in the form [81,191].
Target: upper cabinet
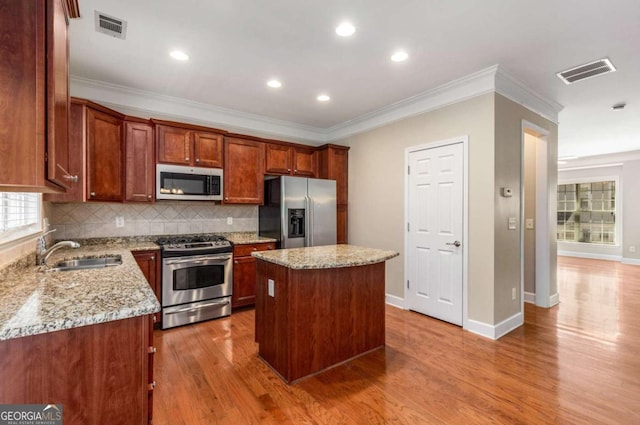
[183,144]
[105,156]
[34,85]
[140,168]
[244,171]
[333,163]
[290,160]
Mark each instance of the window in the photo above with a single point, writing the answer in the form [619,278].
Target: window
[19,215]
[587,212]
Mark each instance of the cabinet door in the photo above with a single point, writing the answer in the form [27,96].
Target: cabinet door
[305,162]
[57,95]
[278,159]
[244,282]
[33,93]
[140,162]
[105,172]
[149,262]
[207,149]
[341,220]
[174,145]
[244,171]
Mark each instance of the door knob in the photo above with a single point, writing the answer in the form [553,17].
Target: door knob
[456,243]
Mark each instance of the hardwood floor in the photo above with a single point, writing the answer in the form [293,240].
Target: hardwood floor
[576,363]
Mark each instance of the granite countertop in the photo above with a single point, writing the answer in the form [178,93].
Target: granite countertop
[244,238]
[325,257]
[33,301]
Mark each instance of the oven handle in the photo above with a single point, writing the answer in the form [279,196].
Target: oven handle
[200,307]
[198,261]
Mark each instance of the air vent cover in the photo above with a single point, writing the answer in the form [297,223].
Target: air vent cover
[582,72]
[110,25]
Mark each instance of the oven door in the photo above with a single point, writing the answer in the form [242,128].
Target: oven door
[196,278]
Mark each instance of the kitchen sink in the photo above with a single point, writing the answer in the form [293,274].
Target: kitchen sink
[86,263]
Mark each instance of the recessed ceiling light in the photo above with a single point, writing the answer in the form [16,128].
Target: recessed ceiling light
[345,29]
[400,56]
[619,106]
[179,55]
[323,98]
[274,83]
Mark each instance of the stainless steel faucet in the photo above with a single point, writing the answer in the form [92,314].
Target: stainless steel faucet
[43,253]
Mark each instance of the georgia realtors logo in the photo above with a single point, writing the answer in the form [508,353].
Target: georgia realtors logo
[30,414]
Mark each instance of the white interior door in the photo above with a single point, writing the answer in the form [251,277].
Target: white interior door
[435,232]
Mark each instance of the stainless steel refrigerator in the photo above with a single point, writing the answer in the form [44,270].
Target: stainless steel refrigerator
[298,211]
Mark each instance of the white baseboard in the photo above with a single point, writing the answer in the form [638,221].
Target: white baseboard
[554,299]
[529,297]
[394,301]
[495,331]
[632,261]
[590,255]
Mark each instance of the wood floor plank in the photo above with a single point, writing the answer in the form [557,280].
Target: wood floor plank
[576,363]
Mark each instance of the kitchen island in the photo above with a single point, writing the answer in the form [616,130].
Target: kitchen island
[318,307]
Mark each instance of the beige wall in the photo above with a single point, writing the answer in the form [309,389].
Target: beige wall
[530,212]
[508,141]
[376,190]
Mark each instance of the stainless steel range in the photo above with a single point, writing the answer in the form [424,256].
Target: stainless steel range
[197,279]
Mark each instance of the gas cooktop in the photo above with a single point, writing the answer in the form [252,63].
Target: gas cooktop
[194,244]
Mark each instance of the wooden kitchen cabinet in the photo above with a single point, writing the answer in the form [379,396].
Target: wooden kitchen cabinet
[333,163]
[34,88]
[140,168]
[244,171]
[99,373]
[105,156]
[183,144]
[290,160]
[151,266]
[244,273]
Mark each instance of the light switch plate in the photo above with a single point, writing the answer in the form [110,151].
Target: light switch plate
[513,223]
[529,223]
[271,290]
[229,221]
[120,221]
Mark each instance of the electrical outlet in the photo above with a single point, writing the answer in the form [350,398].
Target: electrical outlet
[119,221]
[632,248]
[512,223]
[271,290]
[529,223]
[513,293]
[229,221]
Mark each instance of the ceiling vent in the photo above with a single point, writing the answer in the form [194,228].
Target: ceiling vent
[110,25]
[582,72]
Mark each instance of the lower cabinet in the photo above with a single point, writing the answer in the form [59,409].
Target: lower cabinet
[149,262]
[99,373]
[244,273]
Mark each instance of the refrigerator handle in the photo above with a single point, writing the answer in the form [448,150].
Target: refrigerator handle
[307,220]
[311,221]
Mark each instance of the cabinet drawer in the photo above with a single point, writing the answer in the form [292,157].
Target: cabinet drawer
[246,250]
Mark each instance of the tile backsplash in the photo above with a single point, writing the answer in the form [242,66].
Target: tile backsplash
[90,220]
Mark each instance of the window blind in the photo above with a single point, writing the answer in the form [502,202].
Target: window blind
[19,214]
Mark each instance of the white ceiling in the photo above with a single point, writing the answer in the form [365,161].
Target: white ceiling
[235,46]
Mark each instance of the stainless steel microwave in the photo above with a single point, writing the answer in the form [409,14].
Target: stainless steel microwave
[180,182]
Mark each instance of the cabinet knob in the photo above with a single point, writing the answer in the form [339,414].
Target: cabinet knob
[70,178]
[153,258]
[186,158]
[226,198]
[148,196]
[197,159]
[152,386]
[255,249]
[289,170]
[235,262]
[152,350]
[92,194]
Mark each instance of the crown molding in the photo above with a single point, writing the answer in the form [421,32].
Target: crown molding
[513,89]
[133,101]
[476,84]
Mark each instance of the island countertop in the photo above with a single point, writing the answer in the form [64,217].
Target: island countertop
[325,257]
[33,301]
